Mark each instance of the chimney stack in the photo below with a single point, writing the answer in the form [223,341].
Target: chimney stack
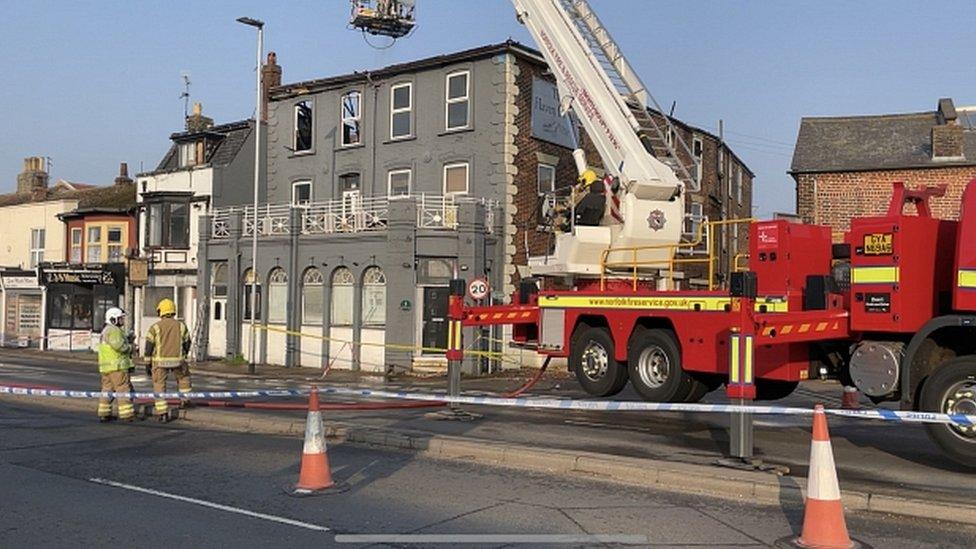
[947,138]
[270,78]
[197,122]
[34,176]
[123,177]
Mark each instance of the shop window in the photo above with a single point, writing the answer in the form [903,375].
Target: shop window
[401,107]
[251,286]
[76,245]
[152,295]
[278,297]
[36,247]
[399,183]
[313,296]
[303,127]
[168,224]
[374,297]
[301,193]
[351,118]
[456,178]
[456,109]
[70,307]
[343,294]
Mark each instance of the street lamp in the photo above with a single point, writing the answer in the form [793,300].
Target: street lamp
[257,175]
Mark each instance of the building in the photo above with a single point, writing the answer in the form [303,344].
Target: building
[206,167]
[844,166]
[381,185]
[49,300]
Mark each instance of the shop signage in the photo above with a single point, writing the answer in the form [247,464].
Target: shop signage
[19,281]
[71,276]
[548,124]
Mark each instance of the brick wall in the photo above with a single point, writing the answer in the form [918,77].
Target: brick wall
[834,198]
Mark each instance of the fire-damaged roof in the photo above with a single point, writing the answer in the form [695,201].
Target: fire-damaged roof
[862,143]
[231,138]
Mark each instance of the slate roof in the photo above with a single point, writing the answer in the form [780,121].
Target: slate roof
[116,198]
[865,143]
[232,137]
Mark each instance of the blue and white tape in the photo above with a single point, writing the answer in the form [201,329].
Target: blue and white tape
[882,414]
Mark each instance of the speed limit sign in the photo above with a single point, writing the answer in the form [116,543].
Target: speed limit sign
[478,289]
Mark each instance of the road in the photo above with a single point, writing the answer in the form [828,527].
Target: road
[166,484]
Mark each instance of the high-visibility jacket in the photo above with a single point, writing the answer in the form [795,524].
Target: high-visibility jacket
[114,350]
[168,343]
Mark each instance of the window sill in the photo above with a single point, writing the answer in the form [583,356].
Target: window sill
[341,148]
[456,131]
[295,154]
[400,139]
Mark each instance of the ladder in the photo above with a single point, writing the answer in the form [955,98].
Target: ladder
[661,140]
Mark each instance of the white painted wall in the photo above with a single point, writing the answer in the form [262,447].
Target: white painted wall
[16,223]
[199,181]
[373,356]
[311,347]
[340,347]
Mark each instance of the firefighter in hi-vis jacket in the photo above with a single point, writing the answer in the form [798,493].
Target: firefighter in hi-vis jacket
[114,363]
[167,348]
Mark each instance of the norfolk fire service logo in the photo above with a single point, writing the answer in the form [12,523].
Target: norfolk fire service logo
[656,220]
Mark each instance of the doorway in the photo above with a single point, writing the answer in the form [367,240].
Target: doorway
[435,318]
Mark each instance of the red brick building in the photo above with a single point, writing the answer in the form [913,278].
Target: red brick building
[844,166]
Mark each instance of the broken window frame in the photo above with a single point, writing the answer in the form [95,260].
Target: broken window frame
[354,120]
[306,146]
[698,152]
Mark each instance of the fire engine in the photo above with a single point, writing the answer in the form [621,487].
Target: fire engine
[890,308]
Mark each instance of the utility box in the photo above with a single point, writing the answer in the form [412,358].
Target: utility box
[783,255]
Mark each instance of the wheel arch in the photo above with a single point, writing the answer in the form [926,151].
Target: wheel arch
[653,323]
[940,339]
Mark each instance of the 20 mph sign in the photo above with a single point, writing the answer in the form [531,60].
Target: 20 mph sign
[478,289]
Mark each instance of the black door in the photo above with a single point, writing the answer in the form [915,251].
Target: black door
[435,317]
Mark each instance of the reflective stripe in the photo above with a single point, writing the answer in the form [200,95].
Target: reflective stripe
[734,358]
[875,275]
[748,361]
[670,303]
[966,278]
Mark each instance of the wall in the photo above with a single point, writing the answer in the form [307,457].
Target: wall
[233,184]
[198,181]
[834,198]
[16,223]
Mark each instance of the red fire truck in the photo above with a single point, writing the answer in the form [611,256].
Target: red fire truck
[891,310]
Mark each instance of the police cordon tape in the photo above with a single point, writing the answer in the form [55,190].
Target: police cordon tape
[882,414]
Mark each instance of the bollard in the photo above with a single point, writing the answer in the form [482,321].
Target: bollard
[741,389]
[455,353]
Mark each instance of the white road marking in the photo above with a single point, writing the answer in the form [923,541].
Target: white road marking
[203,503]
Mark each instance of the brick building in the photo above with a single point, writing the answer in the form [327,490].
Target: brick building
[844,166]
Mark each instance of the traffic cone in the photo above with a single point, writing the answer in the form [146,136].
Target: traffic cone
[315,475]
[823,518]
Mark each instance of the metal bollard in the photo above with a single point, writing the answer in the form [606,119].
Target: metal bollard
[455,352]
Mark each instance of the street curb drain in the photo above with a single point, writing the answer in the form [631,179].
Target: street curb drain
[668,476]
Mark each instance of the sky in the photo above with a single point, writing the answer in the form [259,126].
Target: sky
[94,83]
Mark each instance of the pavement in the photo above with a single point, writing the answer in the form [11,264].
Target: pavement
[68,481]
[882,467]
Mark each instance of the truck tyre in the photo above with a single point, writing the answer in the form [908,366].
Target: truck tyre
[654,363]
[951,389]
[771,389]
[591,359]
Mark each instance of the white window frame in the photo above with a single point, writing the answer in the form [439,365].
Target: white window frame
[408,109]
[79,246]
[697,212]
[294,186]
[37,254]
[389,181]
[448,101]
[542,166]
[467,178]
[294,136]
[738,185]
[343,118]
[699,158]
[187,154]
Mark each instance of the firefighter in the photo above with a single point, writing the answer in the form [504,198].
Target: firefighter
[593,204]
[114,364]
[167,348]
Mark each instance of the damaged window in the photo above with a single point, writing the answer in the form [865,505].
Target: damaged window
[303,126]
[351,110]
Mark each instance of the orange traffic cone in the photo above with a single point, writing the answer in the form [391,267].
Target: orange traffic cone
[315,476]
[823,518]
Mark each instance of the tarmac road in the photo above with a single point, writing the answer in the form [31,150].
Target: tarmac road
[897,460]
[69,481]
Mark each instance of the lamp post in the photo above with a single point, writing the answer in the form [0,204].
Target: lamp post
[259,25]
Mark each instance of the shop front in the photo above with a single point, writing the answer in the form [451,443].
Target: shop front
[77,298]
[21,305]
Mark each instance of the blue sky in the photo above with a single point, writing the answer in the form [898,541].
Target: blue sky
[92,83]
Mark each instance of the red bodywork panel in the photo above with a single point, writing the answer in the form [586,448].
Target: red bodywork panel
[964,273]
[783,254]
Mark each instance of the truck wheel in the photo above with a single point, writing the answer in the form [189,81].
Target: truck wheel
[771,389]
[654,363]
[951,389]
[591,358]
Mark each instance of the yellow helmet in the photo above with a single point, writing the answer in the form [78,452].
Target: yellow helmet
[166,307]
[588,176]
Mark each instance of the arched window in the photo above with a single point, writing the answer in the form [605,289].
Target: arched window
[342,296]
[313,294]
[218,289]
[251,285]
[374,297]
[278,296]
